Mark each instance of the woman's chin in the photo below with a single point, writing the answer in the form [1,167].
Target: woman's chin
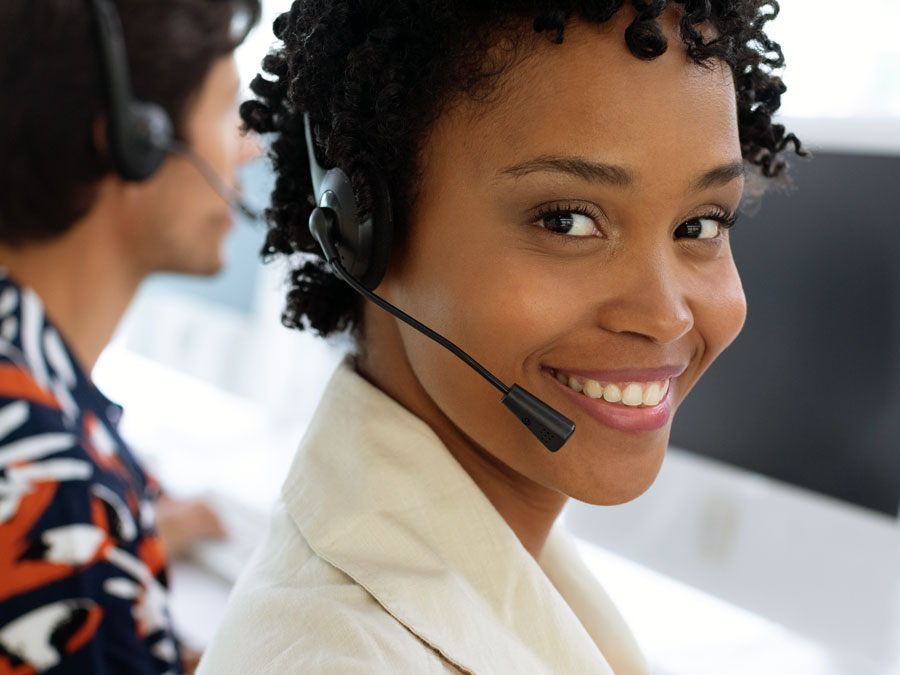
[612,481]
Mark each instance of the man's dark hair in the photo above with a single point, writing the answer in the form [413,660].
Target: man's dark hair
[51,84]
[374,76]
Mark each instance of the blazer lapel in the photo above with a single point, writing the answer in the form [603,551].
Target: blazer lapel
[377,495]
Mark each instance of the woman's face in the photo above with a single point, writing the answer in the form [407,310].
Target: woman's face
[570,230]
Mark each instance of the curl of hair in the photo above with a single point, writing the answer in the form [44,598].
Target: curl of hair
[373,76]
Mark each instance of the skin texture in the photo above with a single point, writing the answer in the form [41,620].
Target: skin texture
[477,266]
[173,222]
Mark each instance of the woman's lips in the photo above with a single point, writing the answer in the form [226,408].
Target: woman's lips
[631,400]
[624,374]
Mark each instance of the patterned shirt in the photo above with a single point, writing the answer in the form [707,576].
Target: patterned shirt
[82,572]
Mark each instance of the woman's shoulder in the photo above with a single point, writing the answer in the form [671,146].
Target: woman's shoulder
[292,612]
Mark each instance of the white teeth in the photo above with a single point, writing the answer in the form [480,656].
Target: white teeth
[612,394]
[593,389]
[652,395]
[633,395]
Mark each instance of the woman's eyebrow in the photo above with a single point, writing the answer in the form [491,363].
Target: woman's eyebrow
[574,166]
[611,174]
[721,175]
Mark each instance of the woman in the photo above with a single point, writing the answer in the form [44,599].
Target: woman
[563,177]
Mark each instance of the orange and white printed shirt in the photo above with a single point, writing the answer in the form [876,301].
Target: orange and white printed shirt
[82,571]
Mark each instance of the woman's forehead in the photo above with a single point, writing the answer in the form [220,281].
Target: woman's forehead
[591,98]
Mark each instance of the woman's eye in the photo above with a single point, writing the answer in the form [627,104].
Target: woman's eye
[699,228]
[571,223]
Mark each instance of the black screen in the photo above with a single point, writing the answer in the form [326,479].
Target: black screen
[808,393]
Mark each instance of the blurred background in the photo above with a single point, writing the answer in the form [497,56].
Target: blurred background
[770,542]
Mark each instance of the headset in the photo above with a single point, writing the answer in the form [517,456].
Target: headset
[359,251]
[140,135]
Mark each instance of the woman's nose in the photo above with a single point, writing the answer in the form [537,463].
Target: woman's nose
[648,299]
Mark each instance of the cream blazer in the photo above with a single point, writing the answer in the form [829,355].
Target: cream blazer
[383,556]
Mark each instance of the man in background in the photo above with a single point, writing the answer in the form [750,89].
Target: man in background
[82,566]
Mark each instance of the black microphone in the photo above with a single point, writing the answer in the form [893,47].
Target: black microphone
[550,427]
[231,195]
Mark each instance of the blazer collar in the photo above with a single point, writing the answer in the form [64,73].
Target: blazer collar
[376,494]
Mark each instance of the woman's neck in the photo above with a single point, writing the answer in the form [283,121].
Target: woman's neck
[528,508]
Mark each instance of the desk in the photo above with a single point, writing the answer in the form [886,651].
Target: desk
[716,565]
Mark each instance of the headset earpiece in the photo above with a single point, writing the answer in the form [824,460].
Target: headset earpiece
[139,134]
[363,248]
[139,139]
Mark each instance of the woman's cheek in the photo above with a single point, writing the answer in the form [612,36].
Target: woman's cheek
[721,312]
[532,305]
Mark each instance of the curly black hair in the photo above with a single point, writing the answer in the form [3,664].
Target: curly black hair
[373,76]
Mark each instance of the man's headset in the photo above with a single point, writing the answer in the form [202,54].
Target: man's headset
[358,252]
[141,135]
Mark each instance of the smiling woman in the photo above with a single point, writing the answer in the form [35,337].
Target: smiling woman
[563,179]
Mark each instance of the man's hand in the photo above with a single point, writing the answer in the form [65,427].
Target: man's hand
[180,522]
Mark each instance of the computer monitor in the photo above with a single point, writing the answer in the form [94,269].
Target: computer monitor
[810,391]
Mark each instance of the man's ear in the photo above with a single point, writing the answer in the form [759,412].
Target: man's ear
[98,133]
[127,191]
